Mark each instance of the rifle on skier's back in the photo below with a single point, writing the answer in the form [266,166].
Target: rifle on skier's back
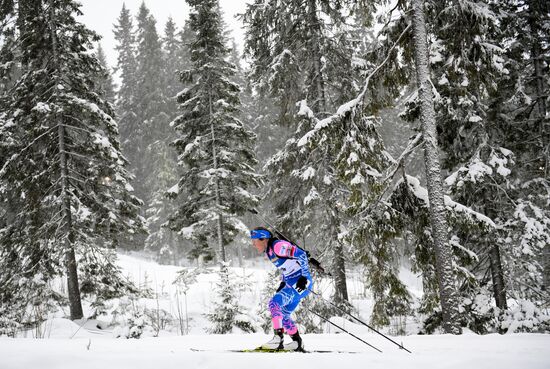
[314,262]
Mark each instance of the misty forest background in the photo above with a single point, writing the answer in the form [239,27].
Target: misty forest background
[378,135]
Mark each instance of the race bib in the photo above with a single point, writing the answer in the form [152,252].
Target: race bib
[289,266]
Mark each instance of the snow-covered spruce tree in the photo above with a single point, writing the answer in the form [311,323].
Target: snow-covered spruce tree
[176,59]
[156,166]
[476,98]
[442,250]
[296,59]
[162,240]
[126,67]
[131,131]
[14,301]
[64,173]
[375,247]
[174,51]
[227,313]
[352,110]
[214,147]
[409,205]
[185,38]
[359,159]
[403,72]
[150,100]
[518,121]
[479,95]
[105,79]
[467,137]
[239,78]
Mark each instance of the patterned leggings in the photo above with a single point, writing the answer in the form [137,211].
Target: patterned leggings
[281,305]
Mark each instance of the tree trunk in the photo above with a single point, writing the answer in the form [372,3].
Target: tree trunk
[221,248]
[497,275]
[443,252]
[70,258]
[339,272]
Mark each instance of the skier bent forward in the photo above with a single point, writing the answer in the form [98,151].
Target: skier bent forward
[296,283]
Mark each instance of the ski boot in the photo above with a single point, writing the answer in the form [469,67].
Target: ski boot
[276,343]
[296,344]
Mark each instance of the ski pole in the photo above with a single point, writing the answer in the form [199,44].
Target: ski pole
[342,329]
[360,321]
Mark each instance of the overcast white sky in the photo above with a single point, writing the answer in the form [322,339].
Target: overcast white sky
[100,15]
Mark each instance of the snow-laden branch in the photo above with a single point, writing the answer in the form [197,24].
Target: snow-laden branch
[15,156]
[93,108]
[350,106]
[392,171]
[422,193]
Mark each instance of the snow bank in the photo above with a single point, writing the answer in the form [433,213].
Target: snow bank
[62,329]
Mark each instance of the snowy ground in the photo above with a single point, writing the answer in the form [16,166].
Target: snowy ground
[80,345]
[463,352]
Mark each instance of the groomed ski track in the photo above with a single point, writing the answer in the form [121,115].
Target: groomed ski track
[92,351]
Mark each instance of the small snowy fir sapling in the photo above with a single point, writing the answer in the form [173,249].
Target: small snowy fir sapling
[227,312]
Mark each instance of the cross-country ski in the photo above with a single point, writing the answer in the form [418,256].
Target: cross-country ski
[281,351]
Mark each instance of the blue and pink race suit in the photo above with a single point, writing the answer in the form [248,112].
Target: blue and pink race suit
[293,263]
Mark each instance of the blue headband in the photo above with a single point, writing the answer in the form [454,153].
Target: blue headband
[259,234]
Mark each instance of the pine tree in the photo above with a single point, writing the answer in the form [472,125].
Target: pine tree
[443,254]
[517,117]
[154,162]
[227,312]
[173,54]
[151,118]
[125,101]
[483,149]
[214,147]
[300,63]
[474,86]
[185,37]
[105,81]
[65,172]
[162,159]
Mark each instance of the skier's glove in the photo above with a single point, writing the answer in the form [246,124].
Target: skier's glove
[281,286]
[301,284]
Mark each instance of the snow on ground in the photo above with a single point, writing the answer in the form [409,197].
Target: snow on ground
[82,344]
[525,351]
